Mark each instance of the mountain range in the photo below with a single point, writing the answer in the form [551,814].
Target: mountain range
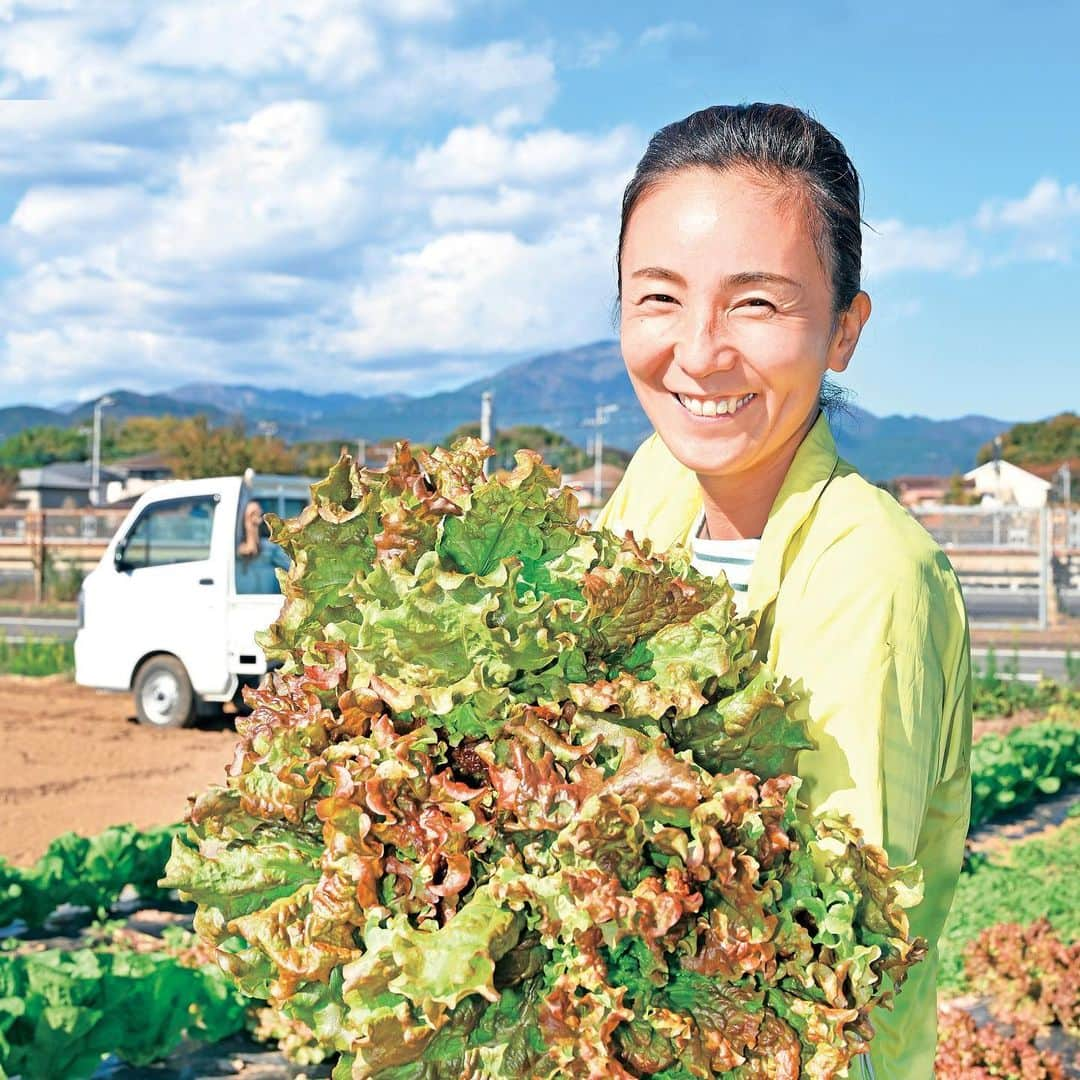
[557,390]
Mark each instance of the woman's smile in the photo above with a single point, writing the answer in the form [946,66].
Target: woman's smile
[715,408]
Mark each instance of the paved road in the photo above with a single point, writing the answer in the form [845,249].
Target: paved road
[1007,605]
[17,626]
[1029,663]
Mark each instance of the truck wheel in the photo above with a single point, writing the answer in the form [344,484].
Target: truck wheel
[164,697]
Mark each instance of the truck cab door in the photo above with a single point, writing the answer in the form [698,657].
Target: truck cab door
[172,585]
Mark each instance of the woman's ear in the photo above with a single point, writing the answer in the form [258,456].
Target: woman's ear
[850,325]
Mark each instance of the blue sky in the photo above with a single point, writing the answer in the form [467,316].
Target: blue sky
[402,194]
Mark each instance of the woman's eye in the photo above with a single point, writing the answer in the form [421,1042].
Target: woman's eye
[757,302]
[660,298]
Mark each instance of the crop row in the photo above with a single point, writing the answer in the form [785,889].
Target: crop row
[64,1011]
[997,691]
[86,872]
[1032,980]
[969,1051]
[36,656]
[1033,879]
[1009,771]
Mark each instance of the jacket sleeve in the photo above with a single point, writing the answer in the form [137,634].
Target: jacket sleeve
[881,651]
[882,645]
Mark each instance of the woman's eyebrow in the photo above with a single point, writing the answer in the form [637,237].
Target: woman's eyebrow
[659,272]
[744,277]
[760,277]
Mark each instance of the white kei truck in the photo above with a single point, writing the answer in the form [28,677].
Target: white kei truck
[161,614]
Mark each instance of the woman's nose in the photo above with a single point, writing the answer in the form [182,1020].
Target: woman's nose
[705,346]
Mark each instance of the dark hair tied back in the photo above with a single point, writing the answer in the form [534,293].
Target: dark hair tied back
[781,143]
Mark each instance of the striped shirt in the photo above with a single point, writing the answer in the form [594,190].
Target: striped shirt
[734,557]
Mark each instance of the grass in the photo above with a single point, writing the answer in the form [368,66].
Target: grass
[28,609]
[1034,878]
[996,690]
[36,656]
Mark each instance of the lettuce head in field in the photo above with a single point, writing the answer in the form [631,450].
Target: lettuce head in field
[518,803]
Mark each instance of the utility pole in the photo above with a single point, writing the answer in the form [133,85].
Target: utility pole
[487,424]
[95,455]
[597,421]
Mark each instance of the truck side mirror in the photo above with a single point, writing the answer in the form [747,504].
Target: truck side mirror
[119,561]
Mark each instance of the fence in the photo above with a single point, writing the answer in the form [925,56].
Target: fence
[1016,566]
[31,540]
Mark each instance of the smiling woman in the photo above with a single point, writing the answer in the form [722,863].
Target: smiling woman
[739,285]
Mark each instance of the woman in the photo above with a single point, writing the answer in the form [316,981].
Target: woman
[739,287]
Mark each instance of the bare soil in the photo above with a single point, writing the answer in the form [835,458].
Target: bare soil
[76,759]
[1065,636]
[1002,725]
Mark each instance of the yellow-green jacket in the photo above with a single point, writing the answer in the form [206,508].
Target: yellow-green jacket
[854,598]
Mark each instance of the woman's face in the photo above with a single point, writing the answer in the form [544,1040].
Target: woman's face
[726,322]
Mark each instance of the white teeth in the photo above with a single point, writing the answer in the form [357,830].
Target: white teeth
[713,406]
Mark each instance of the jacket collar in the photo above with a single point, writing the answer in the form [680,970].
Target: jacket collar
[811,469]
[813,466]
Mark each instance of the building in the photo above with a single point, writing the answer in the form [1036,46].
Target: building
[137,474]
[582,485]
[63,485]
[1000,483]
[921,490]
[1063,477]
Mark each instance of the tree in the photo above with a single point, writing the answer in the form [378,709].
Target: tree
[9,481]
[1039,442]
[197,449]
[138,435]
[36,446]
[557,449]
[958,494]
[316,458]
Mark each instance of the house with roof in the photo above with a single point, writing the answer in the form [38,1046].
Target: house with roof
[62,485]
[1000,483]
[921,490]
[137,474]
[582,485]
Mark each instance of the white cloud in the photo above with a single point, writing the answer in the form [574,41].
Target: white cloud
[328,41]
[431,78]
[50,363]
[274,184]
[97,291]
[415,10]
[1048,203]
[594,49]
[487,291]
[663,33]
[479,157]
[1041,226]
[506,206]
[60,215]
[892,246]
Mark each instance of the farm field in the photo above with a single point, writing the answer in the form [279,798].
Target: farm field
[82,764]
[77,760]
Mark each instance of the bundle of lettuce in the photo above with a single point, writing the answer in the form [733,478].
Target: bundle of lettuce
[519,803]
